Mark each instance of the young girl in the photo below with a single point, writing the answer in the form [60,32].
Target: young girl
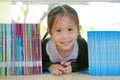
[65,51]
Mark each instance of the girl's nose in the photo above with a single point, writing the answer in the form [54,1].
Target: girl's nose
[65,35]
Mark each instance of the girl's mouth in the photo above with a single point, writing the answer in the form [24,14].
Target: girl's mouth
[66,43]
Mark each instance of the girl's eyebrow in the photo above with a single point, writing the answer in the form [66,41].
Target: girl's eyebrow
[57,27]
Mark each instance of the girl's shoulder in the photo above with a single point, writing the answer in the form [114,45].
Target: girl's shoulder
[81,41]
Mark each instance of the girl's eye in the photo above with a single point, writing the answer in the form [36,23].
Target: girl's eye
[58,30]
[70,29]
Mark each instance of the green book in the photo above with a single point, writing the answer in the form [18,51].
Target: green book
[1,51]
[8,48]
[28,44]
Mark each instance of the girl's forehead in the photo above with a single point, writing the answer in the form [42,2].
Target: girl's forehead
[64,18]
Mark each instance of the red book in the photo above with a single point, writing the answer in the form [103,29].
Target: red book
[25,48]
[39,49]
[34,48]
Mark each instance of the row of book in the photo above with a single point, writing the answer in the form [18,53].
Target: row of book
[104,53]
[20,49]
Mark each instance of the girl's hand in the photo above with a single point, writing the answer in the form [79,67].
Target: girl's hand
[67,67]
[56,69]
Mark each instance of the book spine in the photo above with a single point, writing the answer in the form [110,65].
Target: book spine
[4,48]
[8,48]
[31,56]
[25,48]
[34,48]
[13,49]
[28,48]
[20,50]
[1,50]
[39,49]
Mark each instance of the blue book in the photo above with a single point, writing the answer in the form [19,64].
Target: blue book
[20,50]
[14,71]
[104,53]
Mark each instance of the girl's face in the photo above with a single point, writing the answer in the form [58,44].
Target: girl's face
[64,32]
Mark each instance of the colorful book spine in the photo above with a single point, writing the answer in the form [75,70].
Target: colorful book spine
[8,48]
[1,49]
[36,33]
[4,48]
[5,38]
[34,48]
[31,54]
[17,49]
[20,50]
[14,50]
[25,48]
[28,48]
[38,49]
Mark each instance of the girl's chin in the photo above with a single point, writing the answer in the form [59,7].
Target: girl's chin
[66,48]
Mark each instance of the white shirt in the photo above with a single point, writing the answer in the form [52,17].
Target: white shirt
[56,57]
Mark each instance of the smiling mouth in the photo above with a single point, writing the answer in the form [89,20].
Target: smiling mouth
[66,43]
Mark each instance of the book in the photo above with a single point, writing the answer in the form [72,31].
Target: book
[104,53]
[1,49]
